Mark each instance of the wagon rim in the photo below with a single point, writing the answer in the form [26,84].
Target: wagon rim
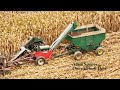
[77,55]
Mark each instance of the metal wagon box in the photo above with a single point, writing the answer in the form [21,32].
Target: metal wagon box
[86,38]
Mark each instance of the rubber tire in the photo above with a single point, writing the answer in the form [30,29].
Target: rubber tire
[40,61]
[76,54]
[99,51]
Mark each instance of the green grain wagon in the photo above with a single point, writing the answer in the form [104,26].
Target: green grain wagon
[86,38]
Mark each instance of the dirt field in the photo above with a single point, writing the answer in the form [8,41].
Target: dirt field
[106,66]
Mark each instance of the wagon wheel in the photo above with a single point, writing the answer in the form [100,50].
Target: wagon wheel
[99,51]
[40,61]
[77,55]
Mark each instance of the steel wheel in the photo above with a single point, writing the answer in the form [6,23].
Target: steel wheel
[77,55]
[40,61]
[99,51]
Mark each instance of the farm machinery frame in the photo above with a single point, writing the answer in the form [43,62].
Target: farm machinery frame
[84,38]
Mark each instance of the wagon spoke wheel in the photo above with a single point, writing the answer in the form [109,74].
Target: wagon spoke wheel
[77,55]
[99,51]
[40,61]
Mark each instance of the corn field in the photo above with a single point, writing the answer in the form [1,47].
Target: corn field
[17,26]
